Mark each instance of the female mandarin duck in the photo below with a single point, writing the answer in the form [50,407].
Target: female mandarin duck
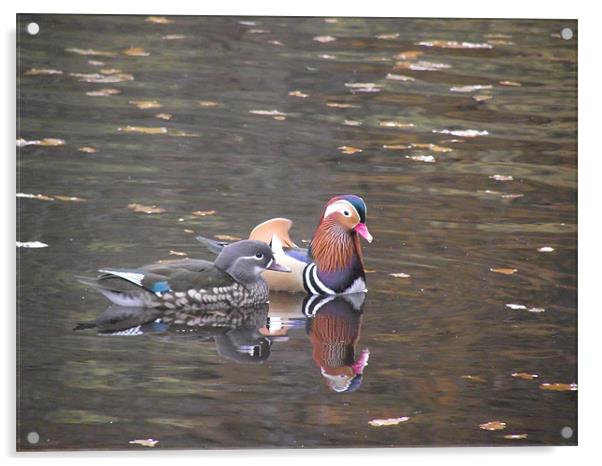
[232,281]
[333,264]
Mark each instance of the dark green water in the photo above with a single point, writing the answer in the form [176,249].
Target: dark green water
[445,222]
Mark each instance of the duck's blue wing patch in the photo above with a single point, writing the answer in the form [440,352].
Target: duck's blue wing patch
[160,287]
[298,254]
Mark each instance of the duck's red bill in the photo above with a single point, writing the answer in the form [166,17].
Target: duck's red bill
[362,230]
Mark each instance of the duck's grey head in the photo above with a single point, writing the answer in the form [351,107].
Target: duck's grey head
[245,260]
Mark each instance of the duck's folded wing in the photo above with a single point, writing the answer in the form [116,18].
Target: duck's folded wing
[300,254]
[123,280]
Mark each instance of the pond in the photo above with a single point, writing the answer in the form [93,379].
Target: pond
[459,134]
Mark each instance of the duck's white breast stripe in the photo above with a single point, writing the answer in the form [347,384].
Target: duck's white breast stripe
[321,285]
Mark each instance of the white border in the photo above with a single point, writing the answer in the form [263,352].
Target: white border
[590,236]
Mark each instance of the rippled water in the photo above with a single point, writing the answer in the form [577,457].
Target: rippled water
[442,343]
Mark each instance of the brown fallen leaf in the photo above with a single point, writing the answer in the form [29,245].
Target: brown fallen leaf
[352,123]
[389,36]
[393,421]
[227,237]
[203,213]
[481,98]
[143,129]
[188,230]
[69,198]
[324,39]
[87,150]
[524,375]
[298,94]
[504,271]
[473,378]
[400,275]
[420,66]
[470,88]
[340,105]
[502,177]
[103,79]
[90,52]
[173,37]
[143,104]
[177,253]
[42,142]
[399,77]
[349,149]
[510,83]
[452,44]
[559,387]
[106,92]
[493,425]
[408,55]
[515,436]
[164,116]
[96,63]
[158,20]
[136,52]
[42,72]
[395,124]
[267,112]
[40,197]
[511,196]
[145,208]
[110,71]
[208,103]
[149,442]
[369,270]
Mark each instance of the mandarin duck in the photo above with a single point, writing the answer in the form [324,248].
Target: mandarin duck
[332,265]
[334,330]
[233,280]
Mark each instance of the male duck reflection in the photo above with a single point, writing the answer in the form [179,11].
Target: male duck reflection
[233,280]
[333,264]
[334,330]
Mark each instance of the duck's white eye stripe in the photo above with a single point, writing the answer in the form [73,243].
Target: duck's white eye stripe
[340,206]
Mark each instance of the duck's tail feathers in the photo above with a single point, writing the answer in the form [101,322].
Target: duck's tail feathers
[139,297]
[212,245]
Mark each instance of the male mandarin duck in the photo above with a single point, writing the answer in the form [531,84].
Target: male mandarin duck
[333,264]
[233,280]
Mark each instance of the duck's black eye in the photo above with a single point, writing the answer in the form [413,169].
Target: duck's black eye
[259,255]
[346,213]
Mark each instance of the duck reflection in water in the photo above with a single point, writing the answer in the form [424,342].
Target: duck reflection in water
[333,325]
[234,331]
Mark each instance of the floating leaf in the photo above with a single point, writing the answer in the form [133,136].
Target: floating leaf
[163,116]
[43,142]
[149,442]
[110,71]
[510,83]
[466,133]
[515,436]
[258,31]
[452,44]
[275,42]
[421,66]
[188,230]
[158,20]
[481,98]
[203,213]
[136,52]
[31,244]
[327,56]
[41,197]
[493,425]
[390,36]
[184,134]
[400,275]
[106,92]
[524,375]
[143,129]
[504,271]
[176,253]
[90,52]
[475,87]
[42,72]
[352,123]
[145,208]
[208,103]
[324,39]
[69,198]
[502,177]
[143,104]
[103,79]
[173,37]
[545,249]
[422,158]
[536,310]
[364,87]
[408,55]
[267,112]
[349,149]
[331,20]
[399,77]
[512,196]
[559,387]
[87,149]
[96,63]
[340,105]
[248,23]
[298,94]
[388,422]
[395,124]
[431,147]
[473,378]
[227,237]
[516,306]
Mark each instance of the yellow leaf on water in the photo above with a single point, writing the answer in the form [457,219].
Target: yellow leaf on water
[203,213]
[510,83]
[177,253]
[559,387]
[96,63]
[298,94]
[473,378]
[145,208]
[163,116]
[149,442]
[349,149]
[524,375]
[42,142]
[400,275]
[143,129]
[103,92]
[227,237]
[408,55]
[369,270]
[90,52]
[493,425]
[110,71]
[158,20]
[208,103]
[42,72]
[324,39]
[142,104]
[136,52]
[504,271]
[515,436]
[388,422]
[481,98]
[188,230]
[103,79]
[87,150]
